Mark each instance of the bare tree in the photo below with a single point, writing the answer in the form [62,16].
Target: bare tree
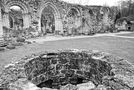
[126,7]
[130,1]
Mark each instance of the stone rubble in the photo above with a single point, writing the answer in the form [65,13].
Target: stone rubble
[101,87]
[86,86]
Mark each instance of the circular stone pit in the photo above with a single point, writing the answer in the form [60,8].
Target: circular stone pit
[71,67]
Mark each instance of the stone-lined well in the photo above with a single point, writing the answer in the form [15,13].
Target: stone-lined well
[69,68]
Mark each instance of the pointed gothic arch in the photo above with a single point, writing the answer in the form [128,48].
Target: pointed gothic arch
[75,9]
[57,16]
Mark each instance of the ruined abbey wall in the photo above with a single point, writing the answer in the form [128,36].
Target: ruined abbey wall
[68,18]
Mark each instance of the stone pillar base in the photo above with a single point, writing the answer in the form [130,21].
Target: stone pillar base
[59,26]
[26,20]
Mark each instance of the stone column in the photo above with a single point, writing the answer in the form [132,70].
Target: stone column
[6,20]
[39,25]
[26,20]
[59,25]
[1,29]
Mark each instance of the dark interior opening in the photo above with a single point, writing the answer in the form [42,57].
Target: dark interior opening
[52,54]
[77,80]
[47,83]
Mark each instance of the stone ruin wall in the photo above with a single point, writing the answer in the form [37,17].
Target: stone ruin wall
[87,20]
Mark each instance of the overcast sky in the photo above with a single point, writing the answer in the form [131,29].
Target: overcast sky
[94,2]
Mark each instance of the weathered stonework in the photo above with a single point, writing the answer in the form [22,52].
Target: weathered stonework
[69,70]
[68,18]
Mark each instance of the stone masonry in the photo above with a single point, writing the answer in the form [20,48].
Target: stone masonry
[68,18]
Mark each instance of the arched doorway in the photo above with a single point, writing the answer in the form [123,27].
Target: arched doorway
[22,12]
[56,25]
[13,16]
[48,20]
[16,17]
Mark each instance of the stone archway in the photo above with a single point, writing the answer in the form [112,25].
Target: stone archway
[48,20]
[57,17]
[25,11]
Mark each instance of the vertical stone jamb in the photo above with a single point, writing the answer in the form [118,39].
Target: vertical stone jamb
[59,25]
[39,25]
[6,20]
[1,26]
[26,20]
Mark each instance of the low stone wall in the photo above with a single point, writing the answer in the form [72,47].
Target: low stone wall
[69,70]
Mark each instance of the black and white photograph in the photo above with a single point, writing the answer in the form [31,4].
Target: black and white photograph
[66,44]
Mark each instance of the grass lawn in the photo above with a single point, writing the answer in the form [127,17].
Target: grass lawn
[122,47]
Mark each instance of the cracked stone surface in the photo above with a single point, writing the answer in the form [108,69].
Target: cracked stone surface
[69,68]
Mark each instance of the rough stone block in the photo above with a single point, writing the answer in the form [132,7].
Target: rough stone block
[20,40]
[86,86]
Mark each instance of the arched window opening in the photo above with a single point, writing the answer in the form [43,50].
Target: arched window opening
[73,13]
